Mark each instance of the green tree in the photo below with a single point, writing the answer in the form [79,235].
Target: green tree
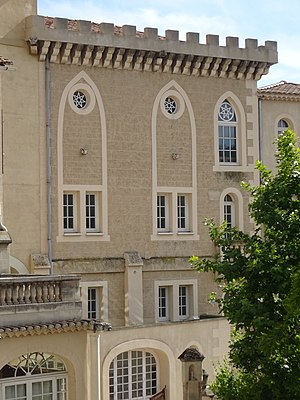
[260,276]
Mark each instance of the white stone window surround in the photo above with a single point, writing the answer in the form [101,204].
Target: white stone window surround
[173,301]
[228,134]
[173,231]
[174,90]
[279,120]
[87,91]
[237,200]
[241,164]
[169,96]
[82,232]
[82,82]
[102,298]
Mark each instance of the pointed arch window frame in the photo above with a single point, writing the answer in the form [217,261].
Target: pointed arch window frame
[81,233]
[173,89]
[241,164]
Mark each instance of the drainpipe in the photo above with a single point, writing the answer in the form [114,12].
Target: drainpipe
[48,134]
[260,129]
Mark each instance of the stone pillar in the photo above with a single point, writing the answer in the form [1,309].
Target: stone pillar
[5,241]
[133,289]
[191,360]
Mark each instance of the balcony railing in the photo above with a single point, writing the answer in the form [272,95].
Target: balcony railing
[32,298]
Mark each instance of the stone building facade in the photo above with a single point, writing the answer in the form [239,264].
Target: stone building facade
[117,145]
[279,110]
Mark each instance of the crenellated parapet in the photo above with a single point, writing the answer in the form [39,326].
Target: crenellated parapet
[108,46]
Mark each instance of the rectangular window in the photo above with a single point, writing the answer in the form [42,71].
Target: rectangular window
[163,303]
[176,300]
[93,303]
[183,311]
[62,389]
[227,144]
[182,213]
[42,390]
[16,392]
[91,212]
[162,213]
[69,212]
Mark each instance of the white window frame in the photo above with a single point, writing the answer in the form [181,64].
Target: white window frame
[231,127]
[182,213]
[241,163]
[134,367]
[237,207]
[96,216]
[163,209]
[30,381]
[81,231]
[229,210]
[74,207]
[164,308]
[174,301]
[173,229]
[281,127]
[183,301]
[101,288]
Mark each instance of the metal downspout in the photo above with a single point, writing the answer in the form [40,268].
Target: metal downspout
[48,134]
[260,155]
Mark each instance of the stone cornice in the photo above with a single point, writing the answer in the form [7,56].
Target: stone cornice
[104,45]
[53,327]
[278,97]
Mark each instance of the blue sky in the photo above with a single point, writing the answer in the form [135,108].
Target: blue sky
[263,20]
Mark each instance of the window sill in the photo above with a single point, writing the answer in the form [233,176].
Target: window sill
[232,168]
[175,236]
[83,237]
[72,234]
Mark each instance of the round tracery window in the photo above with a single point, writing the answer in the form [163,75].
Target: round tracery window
[170,105]
[79,99]
[82,98]
[226,112]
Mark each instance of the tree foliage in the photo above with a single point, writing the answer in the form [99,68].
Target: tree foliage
[260,276]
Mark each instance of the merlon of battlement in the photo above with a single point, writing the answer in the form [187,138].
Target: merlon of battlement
[61,39]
